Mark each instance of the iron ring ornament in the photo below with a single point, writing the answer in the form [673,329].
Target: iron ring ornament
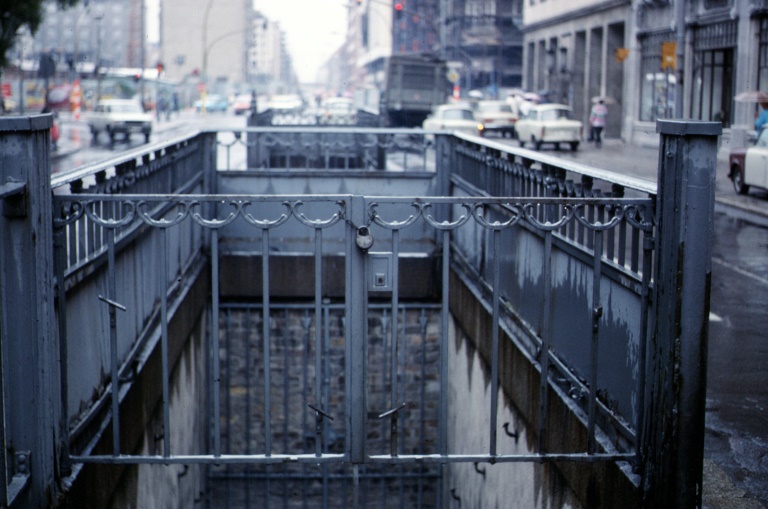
[266,224]
[318,223]
[559,214]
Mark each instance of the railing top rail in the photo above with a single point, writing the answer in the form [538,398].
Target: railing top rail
[326,129]
[91,169]
[641,185]
[219,198]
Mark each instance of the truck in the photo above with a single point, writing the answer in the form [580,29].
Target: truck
[414,85]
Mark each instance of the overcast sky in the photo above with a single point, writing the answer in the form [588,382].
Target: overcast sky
[314,29]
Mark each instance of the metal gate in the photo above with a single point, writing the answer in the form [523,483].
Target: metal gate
[375,233]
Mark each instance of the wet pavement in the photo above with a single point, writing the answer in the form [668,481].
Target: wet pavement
[736,442]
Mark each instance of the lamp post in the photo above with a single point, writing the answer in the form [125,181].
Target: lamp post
[98,17]
[206,49]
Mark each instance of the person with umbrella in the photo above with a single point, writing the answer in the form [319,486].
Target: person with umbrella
[762,117]
[597,118]
[756,96]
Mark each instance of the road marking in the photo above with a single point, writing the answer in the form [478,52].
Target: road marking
[743,272]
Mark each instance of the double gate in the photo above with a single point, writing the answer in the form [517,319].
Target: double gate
[148,242]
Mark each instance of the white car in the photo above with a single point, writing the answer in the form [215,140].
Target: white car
[497,117]
[339,111]
[453,117]
[549,123]
[748,166]
[120,116]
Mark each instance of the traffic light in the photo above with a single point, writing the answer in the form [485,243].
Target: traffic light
[398,10]
[160,68]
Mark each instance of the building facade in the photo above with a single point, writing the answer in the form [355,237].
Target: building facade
[208,39]
[480,39]
[103,32]
[651,59]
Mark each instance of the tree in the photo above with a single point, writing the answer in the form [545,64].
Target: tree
[15,14]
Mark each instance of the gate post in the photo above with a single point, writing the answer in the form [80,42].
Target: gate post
[30,400]
[673,435]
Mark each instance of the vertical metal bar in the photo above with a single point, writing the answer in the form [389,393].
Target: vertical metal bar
[286,380]
[247,342]
[163,277]
[215,342]
[442,439]
[634,253]
[444,321]
[306,323]
[356,333]
[545,342]
[60,259]
[5,336]
[622,243]
[644,333]
[495,341]
[319,329]
[227,341]
[394,330]
[266,319]
[597,312]
[422,399]
[115,383]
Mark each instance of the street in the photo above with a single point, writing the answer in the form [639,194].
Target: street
[736,444]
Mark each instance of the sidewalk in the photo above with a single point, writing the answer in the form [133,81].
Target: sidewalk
[642,162]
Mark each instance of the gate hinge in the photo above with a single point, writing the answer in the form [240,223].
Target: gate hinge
[21,475]
[14,196]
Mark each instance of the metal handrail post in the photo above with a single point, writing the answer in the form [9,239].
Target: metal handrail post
[674,418]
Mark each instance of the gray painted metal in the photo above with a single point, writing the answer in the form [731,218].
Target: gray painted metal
[355,213]
[501,211]
[673,451]
[31,432]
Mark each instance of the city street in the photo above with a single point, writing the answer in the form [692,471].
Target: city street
[736,446]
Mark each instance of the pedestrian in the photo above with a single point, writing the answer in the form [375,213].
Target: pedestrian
[597,119]
[762,118]
[176,104]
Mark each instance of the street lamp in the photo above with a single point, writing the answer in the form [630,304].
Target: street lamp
[206,49]
[98,17]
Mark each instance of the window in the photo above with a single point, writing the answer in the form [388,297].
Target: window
[762,62]
[657,87]
[713,72]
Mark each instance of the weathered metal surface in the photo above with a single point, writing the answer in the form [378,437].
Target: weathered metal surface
[559,255]
[30,431]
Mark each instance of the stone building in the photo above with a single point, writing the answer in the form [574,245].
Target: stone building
[654,59]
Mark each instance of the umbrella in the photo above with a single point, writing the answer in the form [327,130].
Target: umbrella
[752,96]
[606,99]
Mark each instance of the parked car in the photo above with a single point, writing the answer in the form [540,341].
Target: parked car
[285,103]
[749,165]
[339,111]
[213,102]
[497,117]
[120,116]
[242,104]
[549,123]
[453,117]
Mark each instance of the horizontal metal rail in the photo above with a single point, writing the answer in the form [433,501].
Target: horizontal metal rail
[393,213]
